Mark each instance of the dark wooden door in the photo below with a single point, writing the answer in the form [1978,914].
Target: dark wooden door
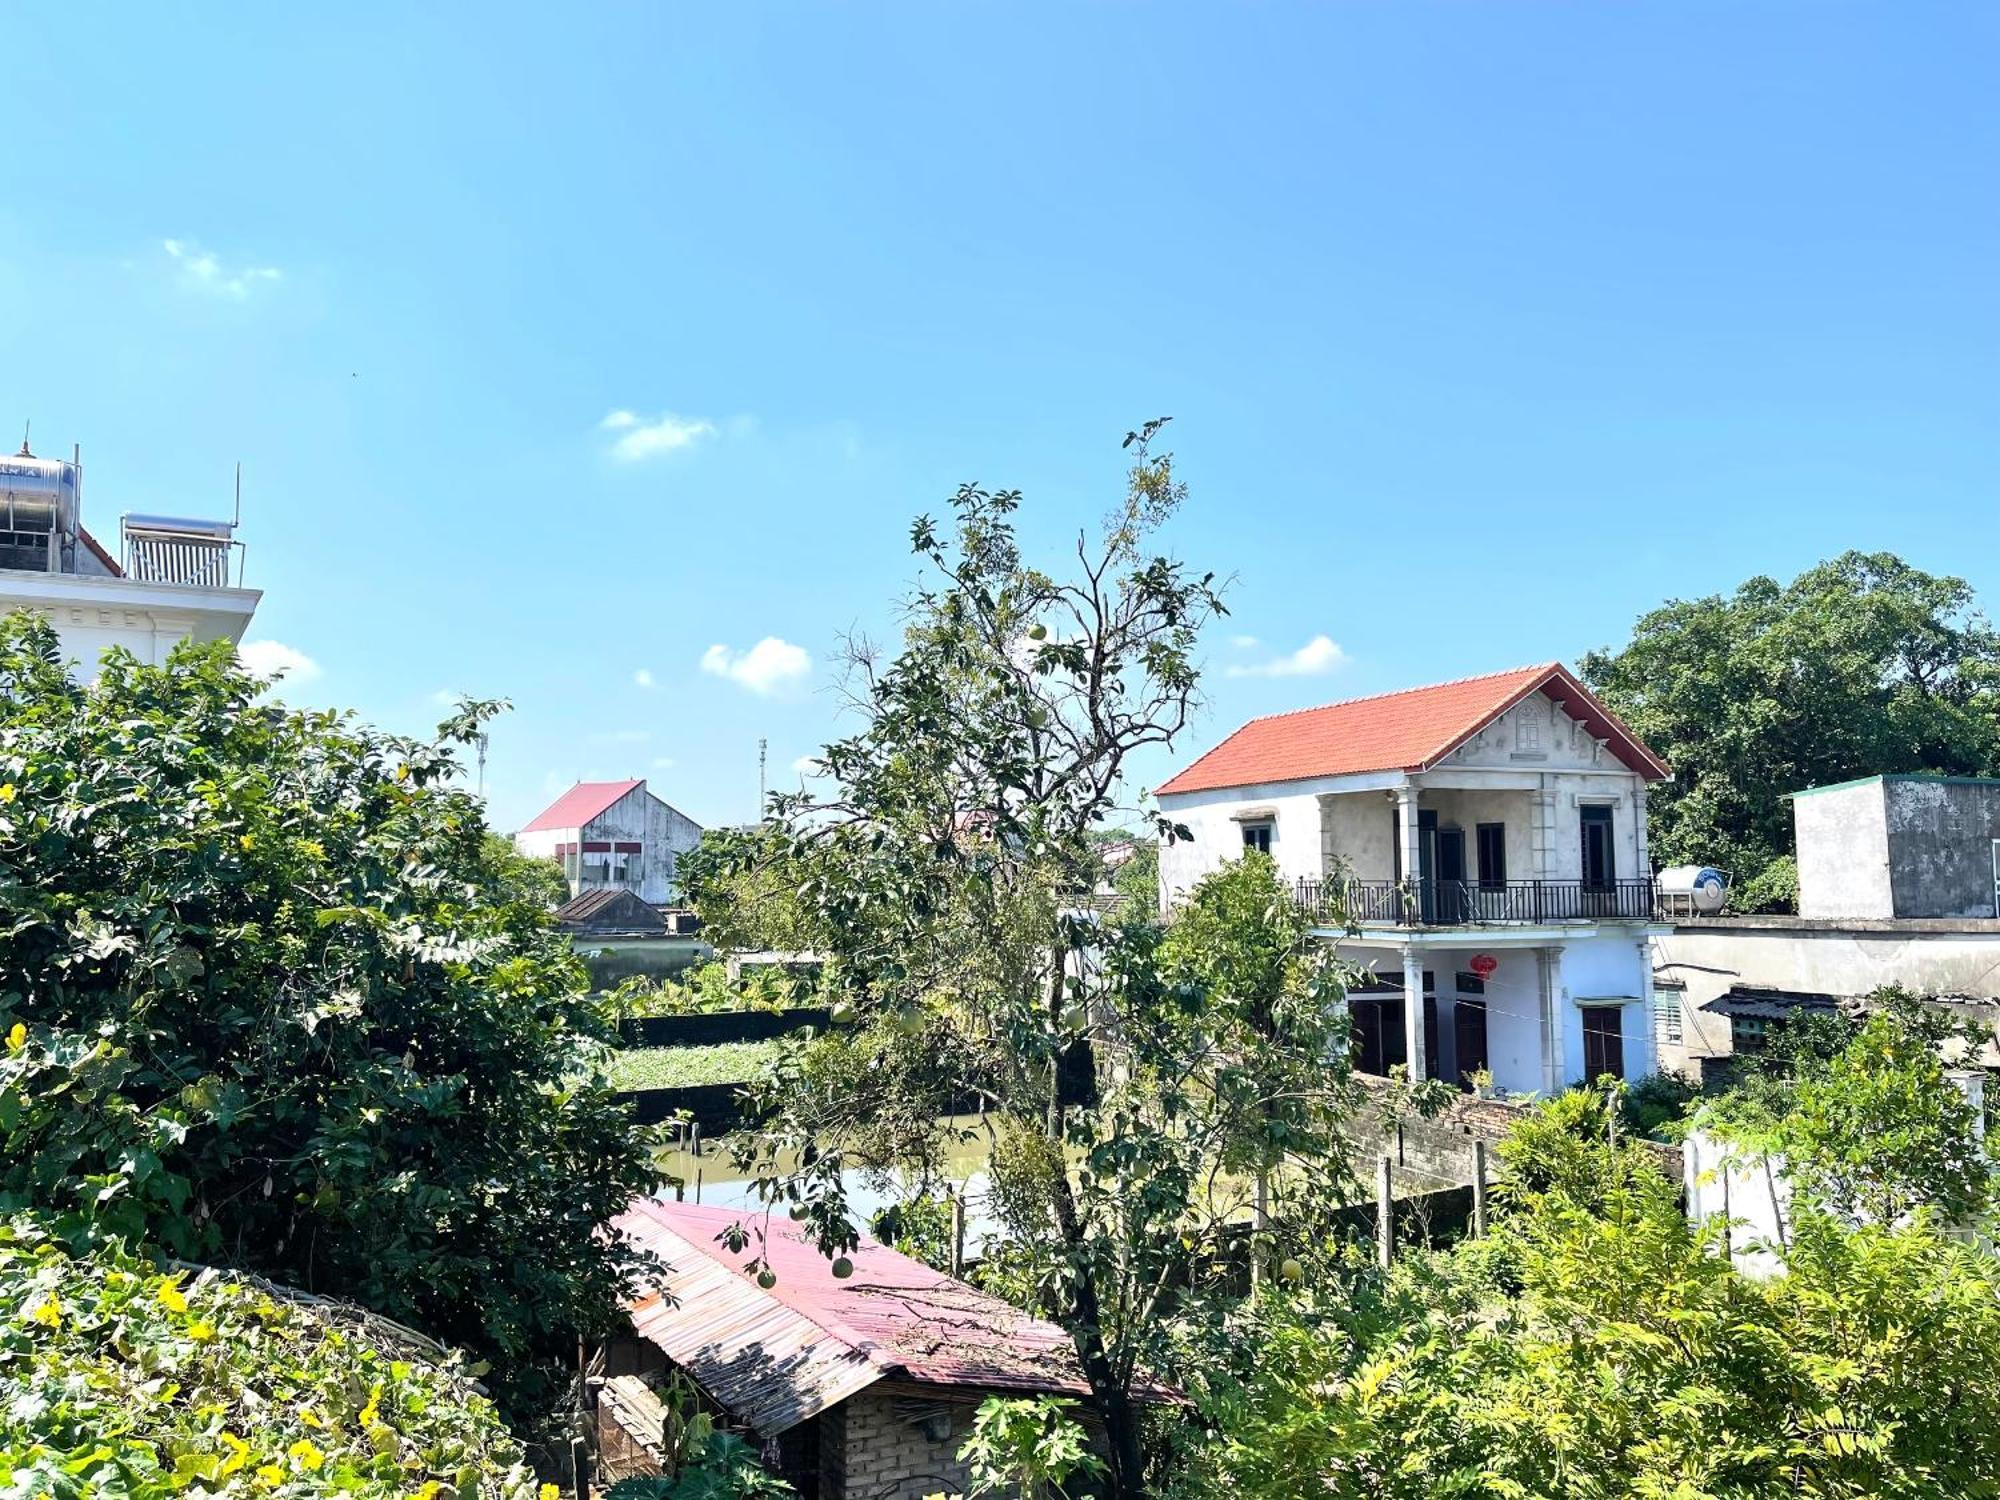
[1451,875]
[1469,1032]
[1603,1042]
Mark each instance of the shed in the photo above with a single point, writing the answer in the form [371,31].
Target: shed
[610,911]
[863,1387]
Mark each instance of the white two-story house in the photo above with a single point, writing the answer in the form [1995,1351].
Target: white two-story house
[1480,846]
[613,835]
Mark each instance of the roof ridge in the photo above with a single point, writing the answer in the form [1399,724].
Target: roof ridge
[1427,687]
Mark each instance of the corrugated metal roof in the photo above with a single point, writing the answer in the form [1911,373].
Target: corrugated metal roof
[610,906]
[1410,730]
[580,804]
[775,1358]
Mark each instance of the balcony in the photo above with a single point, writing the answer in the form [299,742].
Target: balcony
[1474,903]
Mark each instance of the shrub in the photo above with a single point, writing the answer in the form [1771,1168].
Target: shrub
[124,1380]
[1775,888]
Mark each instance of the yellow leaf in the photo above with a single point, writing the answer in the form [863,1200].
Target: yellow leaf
[270,1474]
[48,1313]
[310,1417]
[7,793]
[17,1038]
[549,1492]
[248,840]
[372,1412]
[171,1298]
[239,1451]
[201,1331]
[307,1453]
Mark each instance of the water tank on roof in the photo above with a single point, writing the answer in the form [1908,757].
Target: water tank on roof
[38,512]
[1693,888]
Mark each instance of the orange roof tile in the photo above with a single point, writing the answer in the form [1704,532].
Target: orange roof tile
[1405,731]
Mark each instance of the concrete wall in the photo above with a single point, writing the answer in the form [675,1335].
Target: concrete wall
[663,833]
[1843,845]
[93,613]
[1941,845]
[1215,819]
[1598,971]
[884,1456]
[1939,957]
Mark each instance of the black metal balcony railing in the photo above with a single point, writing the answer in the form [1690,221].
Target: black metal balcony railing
[1473,903]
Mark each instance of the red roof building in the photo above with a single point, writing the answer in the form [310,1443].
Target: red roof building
[613,835]
[862,1385]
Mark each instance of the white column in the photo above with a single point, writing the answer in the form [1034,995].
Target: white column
[1413,1013]
[1413,844]
[1644,868]
[1546,960]
[1650,1063]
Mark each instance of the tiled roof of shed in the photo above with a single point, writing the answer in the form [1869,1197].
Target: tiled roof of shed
[580,804]
[774,1358]
[1410,730]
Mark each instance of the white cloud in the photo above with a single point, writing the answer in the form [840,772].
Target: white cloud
[1315,658]
[664,763]
[766,668]
[269,658]
[1243,642]
[806,765]
[643,677]
[641,438]
[202,270]
[446,697]
[620,736]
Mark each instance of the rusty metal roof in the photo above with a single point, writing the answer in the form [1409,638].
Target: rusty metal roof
[774,1358]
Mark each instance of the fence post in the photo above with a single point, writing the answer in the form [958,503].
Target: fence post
[1479,1189]
[957,1234]
[1385,1215]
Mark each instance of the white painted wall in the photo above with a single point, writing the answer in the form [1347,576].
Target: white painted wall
[93,612]
[1596,970]
[663,831]
[1843,843]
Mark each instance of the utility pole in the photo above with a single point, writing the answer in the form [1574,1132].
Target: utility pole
[482,762]
[763,757]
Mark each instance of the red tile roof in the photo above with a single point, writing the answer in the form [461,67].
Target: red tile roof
[1407,731]
[776,1357]
[580,804]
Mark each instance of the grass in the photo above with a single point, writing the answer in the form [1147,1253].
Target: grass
[684,1067]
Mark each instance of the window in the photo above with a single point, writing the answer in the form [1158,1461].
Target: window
[1492,856]
[1600,855]
[1527,730]
[1603,1042]
[1257,836]
[1667,1004]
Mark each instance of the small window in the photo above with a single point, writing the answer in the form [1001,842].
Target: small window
[1492,856]
[1668,1004]
[1527,730]
[1257,836]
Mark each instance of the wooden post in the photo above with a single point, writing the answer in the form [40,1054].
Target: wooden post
[957,1234]
[1385,1215]
[697,1184]
[1479,1188]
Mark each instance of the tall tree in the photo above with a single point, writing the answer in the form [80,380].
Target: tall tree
[948,879]
[269,999]
[1860,665]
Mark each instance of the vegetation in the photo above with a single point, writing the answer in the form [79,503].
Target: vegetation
[125,1380]
[708,988]
[1868,1125]
[948,877]
[1861,665]
[690,1067]
[518,877]
[267,1000]
[1597,1345]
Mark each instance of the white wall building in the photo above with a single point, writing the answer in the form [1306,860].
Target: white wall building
[613,834]
[1480,845]
[171,583]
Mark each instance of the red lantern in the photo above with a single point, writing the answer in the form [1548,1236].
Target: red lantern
[1483,964]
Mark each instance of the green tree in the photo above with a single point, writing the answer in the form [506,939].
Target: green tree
[1860,665]
[515,876]
[1874,1130]
[266,1001]
[1597,1345]
[949,878]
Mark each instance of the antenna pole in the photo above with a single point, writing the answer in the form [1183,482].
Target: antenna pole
[483,737]
[239,496]
[763,756]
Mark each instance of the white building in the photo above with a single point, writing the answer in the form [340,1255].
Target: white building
[1480,845]
[613,834]
[170,584]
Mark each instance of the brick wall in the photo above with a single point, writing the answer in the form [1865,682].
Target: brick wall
[886,1456]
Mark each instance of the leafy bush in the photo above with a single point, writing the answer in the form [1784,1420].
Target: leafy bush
[1774,888]
[127,1382]
[266,999]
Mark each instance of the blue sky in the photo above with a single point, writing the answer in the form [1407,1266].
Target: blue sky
[1485,326]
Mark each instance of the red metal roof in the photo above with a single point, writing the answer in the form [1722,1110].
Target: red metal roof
[1407,731]
[581,803]
[777,1357]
